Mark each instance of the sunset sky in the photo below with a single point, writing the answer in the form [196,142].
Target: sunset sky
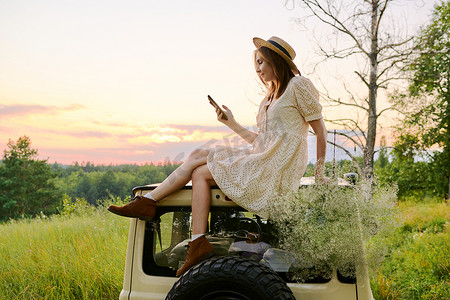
[126,81]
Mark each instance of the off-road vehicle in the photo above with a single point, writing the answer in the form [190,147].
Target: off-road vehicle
[247,264]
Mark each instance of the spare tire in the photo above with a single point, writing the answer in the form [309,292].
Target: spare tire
[230,278]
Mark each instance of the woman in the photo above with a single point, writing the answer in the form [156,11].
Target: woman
[274,165]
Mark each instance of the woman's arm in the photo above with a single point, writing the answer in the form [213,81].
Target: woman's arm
[247,135]
[243,132]
[320,130]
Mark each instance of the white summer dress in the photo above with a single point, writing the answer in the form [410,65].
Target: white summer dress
[279,154]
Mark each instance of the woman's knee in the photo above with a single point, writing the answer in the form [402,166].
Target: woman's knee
[198,156]
[199,152]
[202,173]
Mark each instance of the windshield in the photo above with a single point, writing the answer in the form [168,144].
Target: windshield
[231,231]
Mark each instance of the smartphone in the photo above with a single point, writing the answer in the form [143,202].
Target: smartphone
[213,103]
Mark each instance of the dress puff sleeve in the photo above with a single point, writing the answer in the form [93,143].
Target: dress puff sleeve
[307,97]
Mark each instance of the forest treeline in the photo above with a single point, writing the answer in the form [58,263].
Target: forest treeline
[30,186]
[99,182]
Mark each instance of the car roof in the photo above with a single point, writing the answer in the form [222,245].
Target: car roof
[183,196]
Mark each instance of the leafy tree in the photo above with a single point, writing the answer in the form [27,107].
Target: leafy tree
[383,157]
[26,183]
[413,178]
[107,185]
[86,188]
[100,182]
[336,168]
[426,105]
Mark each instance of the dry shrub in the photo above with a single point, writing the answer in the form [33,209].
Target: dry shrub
[328,226]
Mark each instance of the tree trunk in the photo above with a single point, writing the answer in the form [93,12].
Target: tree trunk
[373,87]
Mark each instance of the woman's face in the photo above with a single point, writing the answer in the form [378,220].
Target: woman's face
[264,69]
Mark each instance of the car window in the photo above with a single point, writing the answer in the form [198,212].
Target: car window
[231,231]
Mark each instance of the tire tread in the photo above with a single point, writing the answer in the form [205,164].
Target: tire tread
[228,267]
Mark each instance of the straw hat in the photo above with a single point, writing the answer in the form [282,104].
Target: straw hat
[281,47]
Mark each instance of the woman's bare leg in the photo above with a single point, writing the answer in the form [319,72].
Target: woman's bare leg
[199,248]
[201,198]
[145,209]
[182,175]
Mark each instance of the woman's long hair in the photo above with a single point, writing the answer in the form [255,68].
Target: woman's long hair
[281,69]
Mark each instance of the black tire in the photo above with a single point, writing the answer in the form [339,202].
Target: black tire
[230,278]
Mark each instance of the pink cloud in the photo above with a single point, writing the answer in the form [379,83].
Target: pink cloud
[24,109]
[127,147]
[192,128]
[126,153]
[84,134]
[122,148]
[153,153]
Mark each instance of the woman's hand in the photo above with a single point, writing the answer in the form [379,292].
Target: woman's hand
[322,180]
[228,113]
[319,173]
[243,132]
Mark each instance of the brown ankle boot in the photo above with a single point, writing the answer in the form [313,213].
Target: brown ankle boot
[199,249]
[140,207]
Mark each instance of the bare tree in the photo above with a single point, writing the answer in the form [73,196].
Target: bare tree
[362,32]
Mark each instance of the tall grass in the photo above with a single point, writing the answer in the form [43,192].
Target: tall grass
[80,255]
[418,265]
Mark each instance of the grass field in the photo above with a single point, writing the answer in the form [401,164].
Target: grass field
[418,264]
[81,254]
[76,256]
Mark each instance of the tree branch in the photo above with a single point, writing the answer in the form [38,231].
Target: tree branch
[380,17]
[353,97]
[355,162]
[339,54]
[362,78]
[342,123]
[342,28]
[403,55]
[393,45]
[389,67]
[383,110]
[351,139]
[339,101]
[390,79]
